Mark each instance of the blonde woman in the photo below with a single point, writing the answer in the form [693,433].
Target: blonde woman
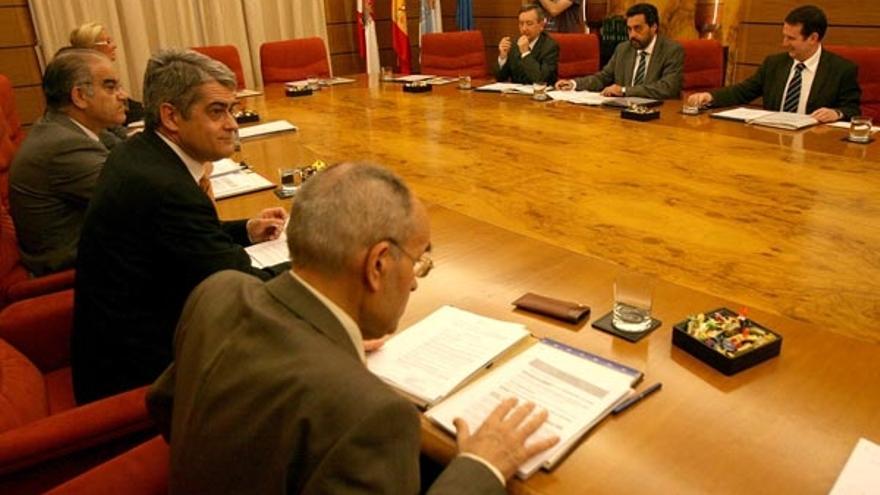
[95,36]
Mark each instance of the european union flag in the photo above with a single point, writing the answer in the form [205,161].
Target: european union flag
[464,15]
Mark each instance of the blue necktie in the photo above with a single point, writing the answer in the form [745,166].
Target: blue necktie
[793,95]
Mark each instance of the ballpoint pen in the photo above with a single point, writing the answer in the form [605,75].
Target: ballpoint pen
[623,406]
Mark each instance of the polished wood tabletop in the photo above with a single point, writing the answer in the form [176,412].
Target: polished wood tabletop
[556,199]
[778,220]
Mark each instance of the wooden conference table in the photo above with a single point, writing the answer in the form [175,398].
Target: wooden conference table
[522,198]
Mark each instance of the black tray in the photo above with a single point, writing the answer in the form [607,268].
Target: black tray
[722,363]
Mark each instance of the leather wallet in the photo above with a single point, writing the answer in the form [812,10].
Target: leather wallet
[570,312]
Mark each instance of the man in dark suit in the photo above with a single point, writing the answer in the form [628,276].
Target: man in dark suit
[151,234]
[54,173]
[807,79]
[269,391]
[649,65]
[535,56]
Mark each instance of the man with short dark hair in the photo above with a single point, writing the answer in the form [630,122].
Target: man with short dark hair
[806,79]
[535,56]
[649,65]
[269,391]
[54,173]
[151,234]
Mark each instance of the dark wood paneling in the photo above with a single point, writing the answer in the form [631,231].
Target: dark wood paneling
[759,40]
[20,65]
[15,26]
[8,3]
[845,12]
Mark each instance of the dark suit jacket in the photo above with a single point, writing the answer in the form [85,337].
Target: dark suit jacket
[52,178]
[150,236]
[267,394]
[663,77]
[539,66]
[834,86]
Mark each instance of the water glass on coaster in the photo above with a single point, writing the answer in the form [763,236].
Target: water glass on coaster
[539,91]
[860,129]
[464,82]
[633,298]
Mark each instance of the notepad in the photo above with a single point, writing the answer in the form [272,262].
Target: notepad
[267,128]
[767,118]
[578,389]
[237,183]
[432,358]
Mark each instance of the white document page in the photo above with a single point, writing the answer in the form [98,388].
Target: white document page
[576,392]
[246,93]
[503,87]
[414,78]
[861,474]
[839,125]
[742,114]
[431,358]
[267,128]
[578,97]
[270,253]
[225,166]
[440,80]
[243,181]
[784,120]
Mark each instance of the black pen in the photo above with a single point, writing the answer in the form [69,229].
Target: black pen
[623,406]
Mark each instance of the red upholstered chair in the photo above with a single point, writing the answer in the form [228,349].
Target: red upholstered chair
[228,55]
[45,438]
[461,53]
[292,60]
[703,65]
[7,104]
[7,151]
[15,282]
[142,470]
[578,54]
[868,60]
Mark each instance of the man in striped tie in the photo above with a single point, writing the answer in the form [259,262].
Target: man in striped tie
[649,65]
[806,79]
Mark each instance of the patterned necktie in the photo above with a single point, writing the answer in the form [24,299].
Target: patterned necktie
[793,95]
[640,70]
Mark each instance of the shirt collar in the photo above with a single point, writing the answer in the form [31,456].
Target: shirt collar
[195,167]
[812,63]
[351,328]
[532,44]
[85,129]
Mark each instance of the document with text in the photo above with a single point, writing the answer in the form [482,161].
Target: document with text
[576,388]
[267,128]
[578,97]
[236,183]
[502,87]
[270,253]
[431,358]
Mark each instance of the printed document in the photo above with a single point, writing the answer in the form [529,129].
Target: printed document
[267,128]
[576,388]
[237,183]
[741,114]
[861,474]
[578,97]
[433,357]
[270,253]
[502,87]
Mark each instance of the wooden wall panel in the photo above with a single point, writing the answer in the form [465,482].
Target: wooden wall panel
[846,12]
[760,40]
[7,3]
[20,65]
[30,103]
[15,26]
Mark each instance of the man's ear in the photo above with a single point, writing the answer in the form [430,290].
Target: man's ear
[376,265]
[169,117]
[814,37]
[78,97]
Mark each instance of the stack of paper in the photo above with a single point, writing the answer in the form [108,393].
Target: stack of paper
[501,87]
[578,97]
[414,78]
[236,183]
[437,354]
[269,253]
[267,128]
[781,120]
[576,388]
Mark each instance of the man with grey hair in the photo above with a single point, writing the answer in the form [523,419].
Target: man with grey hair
[151,234]
[535,56]
[269,391]
[53,175]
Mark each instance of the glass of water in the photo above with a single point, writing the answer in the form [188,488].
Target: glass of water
[387,73]
[633,298]
[539,91]
[860,129]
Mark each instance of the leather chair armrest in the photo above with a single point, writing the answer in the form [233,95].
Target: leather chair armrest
[47,284]
[40,329]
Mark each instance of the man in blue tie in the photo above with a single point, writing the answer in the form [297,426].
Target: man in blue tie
[806,79]
[649,65]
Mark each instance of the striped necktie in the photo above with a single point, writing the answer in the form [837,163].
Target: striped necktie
[640,70]
[793,95]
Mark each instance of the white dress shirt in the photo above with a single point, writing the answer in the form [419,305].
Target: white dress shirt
[807,76]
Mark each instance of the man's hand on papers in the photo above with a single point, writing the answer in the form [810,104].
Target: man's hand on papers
[613,90]
[699,100]
[268,226]
[501,439]
[371,345]
[565,84]
[826,115]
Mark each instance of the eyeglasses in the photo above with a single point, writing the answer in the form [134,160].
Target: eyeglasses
[422,265]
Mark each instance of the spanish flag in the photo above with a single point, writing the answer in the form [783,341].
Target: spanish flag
[399,36]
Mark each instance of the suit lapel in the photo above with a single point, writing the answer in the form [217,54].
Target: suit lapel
[629,60]
[304,305]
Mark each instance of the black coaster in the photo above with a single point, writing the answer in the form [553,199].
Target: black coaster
[604,324]
[848,140]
